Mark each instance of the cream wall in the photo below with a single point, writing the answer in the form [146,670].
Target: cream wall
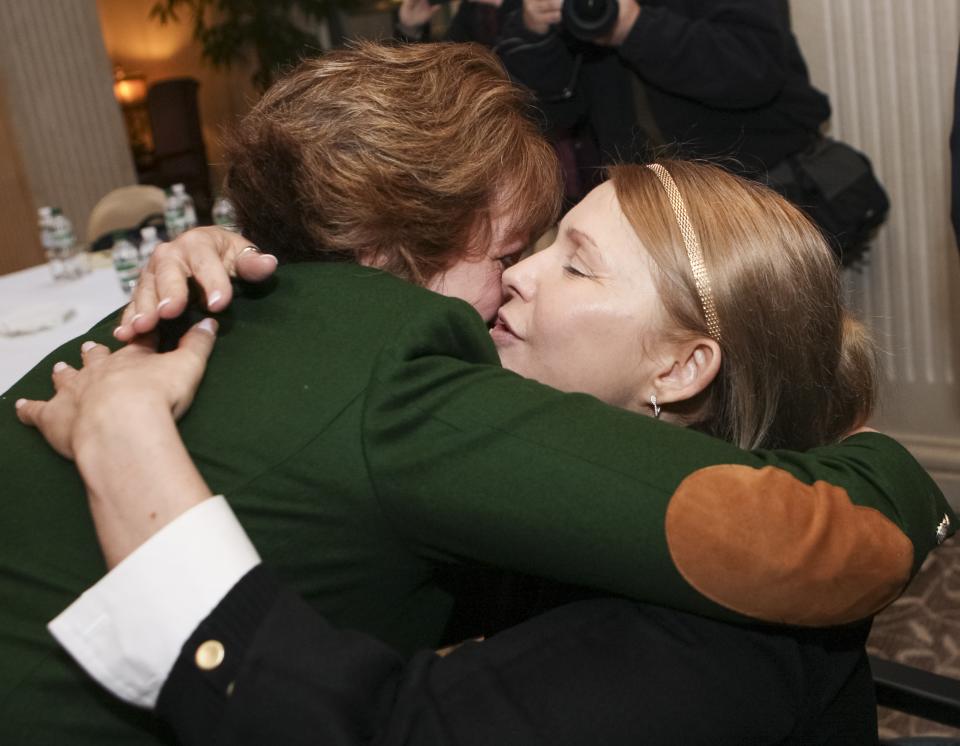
[63,131]
[889,68]
[158,51]
[19,244]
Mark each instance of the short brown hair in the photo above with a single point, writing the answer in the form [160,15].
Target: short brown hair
[392,154]
[797,370]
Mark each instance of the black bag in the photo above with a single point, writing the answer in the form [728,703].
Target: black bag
[835,185]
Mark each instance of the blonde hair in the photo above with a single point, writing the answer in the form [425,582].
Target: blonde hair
[396,154]
[797,369]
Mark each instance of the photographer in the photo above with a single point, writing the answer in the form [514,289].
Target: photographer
[712,78]
[628,81]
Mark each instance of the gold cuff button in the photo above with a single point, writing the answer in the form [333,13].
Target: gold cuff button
[209,655]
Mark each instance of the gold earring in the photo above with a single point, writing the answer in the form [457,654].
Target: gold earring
[656,408]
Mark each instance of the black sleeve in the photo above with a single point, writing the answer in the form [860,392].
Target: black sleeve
[462,25]
[726,53]
[730,54]
[600,671]
[548,66]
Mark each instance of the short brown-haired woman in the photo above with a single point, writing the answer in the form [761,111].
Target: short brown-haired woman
[410,158]
[467,460]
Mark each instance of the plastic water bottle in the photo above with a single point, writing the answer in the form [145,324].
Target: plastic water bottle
[44,220]
[173,215]
[126,261]
[69,258]
[45,223]
[187,207]
[224,215]
[148,242]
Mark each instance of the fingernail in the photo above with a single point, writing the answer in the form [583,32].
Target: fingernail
[215,296]
[164,302]
[86,346]
[19,403]
[209,326]
[57,367]
[116,331]
[134,319]
[271,256]
[254,249]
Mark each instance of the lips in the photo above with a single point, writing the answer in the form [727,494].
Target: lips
[502,330]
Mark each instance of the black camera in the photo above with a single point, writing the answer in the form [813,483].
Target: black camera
[588,19]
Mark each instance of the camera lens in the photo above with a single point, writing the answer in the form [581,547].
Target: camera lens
[588,19]
[589,10]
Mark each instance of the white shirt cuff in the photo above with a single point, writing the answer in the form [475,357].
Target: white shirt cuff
[128,629]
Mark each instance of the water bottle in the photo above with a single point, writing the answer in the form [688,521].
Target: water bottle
[45,223]
[173,215]
[64,247]
[224,215]
[126,261]
[44,220]
[148,242]
[187,206]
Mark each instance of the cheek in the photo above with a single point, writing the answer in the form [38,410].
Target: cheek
[561,339]
[591,346]
[478,283]
[489,293]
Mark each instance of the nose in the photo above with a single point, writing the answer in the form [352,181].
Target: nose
[520,279]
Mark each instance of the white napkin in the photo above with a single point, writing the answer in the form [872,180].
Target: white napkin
[35,318]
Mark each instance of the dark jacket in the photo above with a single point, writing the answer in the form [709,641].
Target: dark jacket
[604,671]
[723,78]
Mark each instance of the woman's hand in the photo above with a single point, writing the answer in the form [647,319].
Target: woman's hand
[102,390]
[115,416]
[211,256]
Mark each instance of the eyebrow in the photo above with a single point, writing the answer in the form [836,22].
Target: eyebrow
[581,237]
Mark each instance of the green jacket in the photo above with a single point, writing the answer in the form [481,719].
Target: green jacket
[369,442]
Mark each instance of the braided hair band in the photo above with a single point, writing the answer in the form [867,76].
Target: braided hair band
[694,252]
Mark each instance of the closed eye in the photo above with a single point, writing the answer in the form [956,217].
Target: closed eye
[574,272]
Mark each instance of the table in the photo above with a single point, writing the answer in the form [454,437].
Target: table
[92,297]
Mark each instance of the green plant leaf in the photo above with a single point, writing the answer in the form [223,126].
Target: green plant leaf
[230,30]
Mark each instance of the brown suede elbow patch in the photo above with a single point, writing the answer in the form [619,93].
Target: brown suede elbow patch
[765,544]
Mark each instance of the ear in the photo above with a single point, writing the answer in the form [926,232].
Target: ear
[695,363]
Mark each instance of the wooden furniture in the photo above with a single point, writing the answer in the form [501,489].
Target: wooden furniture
[179,153]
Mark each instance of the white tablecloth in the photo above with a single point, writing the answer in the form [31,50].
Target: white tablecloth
[92,297]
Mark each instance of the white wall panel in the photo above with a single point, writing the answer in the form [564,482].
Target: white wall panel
[888,66]
[59,98]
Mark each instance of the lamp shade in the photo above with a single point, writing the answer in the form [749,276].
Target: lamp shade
[130,90]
